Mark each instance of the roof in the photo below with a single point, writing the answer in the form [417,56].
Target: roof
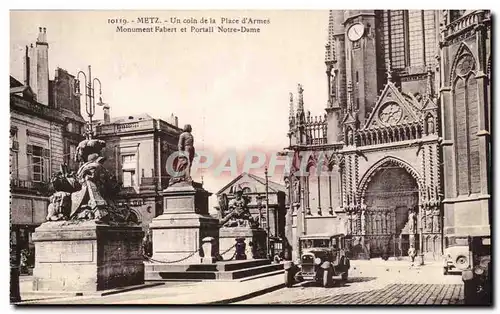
[70,114]
[125,119]
[320,235]
[273,186]
[19,89]
[14,82]
[131,118]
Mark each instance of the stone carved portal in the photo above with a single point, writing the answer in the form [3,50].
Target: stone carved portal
[391,200]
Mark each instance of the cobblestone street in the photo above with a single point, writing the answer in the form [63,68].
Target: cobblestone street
[376,282]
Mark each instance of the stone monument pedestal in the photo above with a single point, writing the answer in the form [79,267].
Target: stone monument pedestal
[255,241]
[185,222]
[87,256]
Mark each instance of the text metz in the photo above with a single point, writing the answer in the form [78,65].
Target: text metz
[148,20]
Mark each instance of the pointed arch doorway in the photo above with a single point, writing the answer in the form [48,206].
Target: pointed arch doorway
[390,196]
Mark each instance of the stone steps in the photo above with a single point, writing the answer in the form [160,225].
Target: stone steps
[219,266]
[233,270]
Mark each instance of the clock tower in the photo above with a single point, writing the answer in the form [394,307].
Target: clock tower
[361,60]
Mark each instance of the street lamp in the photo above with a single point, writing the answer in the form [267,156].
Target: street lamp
[89,94]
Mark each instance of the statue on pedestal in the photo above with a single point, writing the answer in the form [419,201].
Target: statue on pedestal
[354,218]
[435,220]
[86,195]
[296,191]
[184,161]
[428,220]
[412,222]
[430,126]
[368,223]
[348,224]
[235,213]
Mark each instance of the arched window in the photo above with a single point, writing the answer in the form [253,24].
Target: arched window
[134,217]
[465,100]
[409,37]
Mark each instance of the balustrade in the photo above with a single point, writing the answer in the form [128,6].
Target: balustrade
[316,130]
[392,134]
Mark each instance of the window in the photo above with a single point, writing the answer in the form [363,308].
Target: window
[465,99]
[14,160]
[72,151]
[334,243]
[430,36]
[39,163]
[397,39]
[14,165]
[128,178]
[70,155]
[321,243]
[129,166]
[416,36]
[409,37]
[128,160]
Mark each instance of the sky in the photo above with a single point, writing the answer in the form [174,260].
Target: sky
[232,88]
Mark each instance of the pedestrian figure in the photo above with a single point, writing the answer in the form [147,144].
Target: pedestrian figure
[147,245]
[412,253]
[24,261]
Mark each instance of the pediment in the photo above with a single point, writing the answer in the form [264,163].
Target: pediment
[429,105]
[392,108]
[251,184]
[350,118]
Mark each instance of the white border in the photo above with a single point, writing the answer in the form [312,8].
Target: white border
[198,5]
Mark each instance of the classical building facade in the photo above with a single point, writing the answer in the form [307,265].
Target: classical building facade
[45,128]
[137,148]
[254,188]
[401,155]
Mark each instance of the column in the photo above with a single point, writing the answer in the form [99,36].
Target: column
[483,114]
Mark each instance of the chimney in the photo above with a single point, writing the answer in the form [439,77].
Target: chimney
[107,116]
[176,121]
[38,67]
[27,67]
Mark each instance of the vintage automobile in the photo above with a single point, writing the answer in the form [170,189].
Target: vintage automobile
[477,278]
[322,257]
[456,255]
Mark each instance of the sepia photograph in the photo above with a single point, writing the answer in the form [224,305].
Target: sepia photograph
[251,157]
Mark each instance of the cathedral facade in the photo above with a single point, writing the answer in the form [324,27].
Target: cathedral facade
[405,137]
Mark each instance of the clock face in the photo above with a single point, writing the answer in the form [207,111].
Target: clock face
[355,32]
[391,113]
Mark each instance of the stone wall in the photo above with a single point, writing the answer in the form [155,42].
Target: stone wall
[85,256]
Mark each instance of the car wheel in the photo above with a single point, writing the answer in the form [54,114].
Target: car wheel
[462,263]
[288,279]
[327,278]
[345,276]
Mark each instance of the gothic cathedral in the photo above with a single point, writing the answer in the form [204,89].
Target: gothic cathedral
[405,136]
